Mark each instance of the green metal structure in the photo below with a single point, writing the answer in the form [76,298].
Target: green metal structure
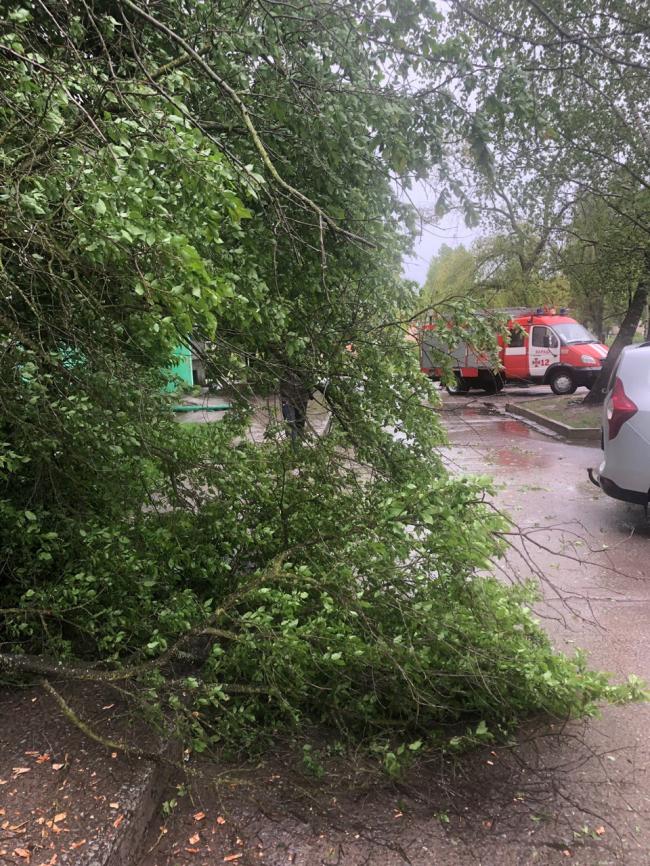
[182,369]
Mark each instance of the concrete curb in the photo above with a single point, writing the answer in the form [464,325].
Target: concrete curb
[140,802]
[146,798]
[108,802]
[123,846]
[582,434]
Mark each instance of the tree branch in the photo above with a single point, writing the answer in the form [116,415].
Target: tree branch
[257,141]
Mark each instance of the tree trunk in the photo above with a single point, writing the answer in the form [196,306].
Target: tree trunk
[598,316]
[624,337]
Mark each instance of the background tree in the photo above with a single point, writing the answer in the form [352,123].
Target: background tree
[602,258]
[502,282]
[491,275]
[571,88]
[451,275]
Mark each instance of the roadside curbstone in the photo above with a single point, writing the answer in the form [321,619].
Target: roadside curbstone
[583,434]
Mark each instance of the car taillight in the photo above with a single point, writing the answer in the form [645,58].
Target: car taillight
[620,409]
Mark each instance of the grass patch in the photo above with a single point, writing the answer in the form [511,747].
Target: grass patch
[568,410]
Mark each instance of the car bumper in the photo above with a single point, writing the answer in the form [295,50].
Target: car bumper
[586,376]
[612,489]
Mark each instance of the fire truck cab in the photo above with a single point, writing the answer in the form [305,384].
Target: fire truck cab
[543,347]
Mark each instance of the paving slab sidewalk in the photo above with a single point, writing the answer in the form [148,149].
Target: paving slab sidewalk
[555,799]
[64,799]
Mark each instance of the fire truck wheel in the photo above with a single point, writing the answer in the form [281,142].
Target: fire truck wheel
[461,386]
[562,382]
[494,384]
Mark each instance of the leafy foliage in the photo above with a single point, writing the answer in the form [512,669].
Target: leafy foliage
[451,274]
[222,174]
[491,274]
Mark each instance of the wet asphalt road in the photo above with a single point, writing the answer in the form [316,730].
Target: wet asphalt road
[595,550]
[593,554]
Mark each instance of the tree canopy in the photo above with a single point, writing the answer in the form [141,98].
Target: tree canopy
[451,275]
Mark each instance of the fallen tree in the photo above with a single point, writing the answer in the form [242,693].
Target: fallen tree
[222,174]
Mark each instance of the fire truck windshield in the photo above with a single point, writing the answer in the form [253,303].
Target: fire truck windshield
[574,333]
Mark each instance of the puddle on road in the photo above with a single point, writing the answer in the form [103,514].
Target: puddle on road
[517,458]
[498,435]
[511,427]
[501,424]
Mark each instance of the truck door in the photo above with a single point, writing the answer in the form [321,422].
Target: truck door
[543,350]
[515,354]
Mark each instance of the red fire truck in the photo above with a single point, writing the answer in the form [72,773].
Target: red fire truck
[544,347]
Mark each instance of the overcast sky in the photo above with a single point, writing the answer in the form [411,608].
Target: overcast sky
[451,231]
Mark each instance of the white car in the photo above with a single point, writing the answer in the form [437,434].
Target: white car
[625,470]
